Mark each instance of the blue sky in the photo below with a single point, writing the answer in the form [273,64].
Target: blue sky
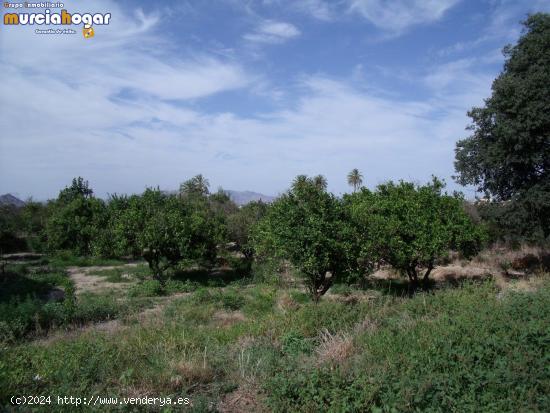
[248,93]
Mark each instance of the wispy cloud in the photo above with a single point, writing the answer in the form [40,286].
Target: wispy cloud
[398,15]
[273,32]
[131,107]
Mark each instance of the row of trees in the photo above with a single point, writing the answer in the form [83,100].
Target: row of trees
[328,239]
[167,230]
[324,237]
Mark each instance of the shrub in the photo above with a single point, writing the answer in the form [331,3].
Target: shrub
[178,286]
[460,350]
[147,288]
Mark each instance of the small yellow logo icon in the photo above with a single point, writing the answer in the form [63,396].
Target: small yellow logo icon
[88,31]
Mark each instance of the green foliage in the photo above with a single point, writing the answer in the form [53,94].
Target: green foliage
[165,230]
[240,224]
[63,259]
[508,154]
[308,227]
[178,286]
[10,229]
[147,288]
[294,343]
[232,300]
[75,220]
[465,351]
[267,270]
[198,186]
[34,216]
[28,307]
[410,227]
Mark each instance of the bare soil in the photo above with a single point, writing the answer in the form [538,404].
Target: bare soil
[85,281]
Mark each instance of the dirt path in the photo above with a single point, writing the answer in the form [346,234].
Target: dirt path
[85,281]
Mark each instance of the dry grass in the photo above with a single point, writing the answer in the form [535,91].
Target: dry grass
[367,325]
[469,271]
[286,303]
[334,348]
[192,373]
[524,258]
[225,319]
[244,399]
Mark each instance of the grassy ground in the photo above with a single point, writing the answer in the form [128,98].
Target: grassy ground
[235,345]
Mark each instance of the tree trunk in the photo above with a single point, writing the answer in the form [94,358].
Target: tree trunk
[425,279]
[320,286]
[413,279]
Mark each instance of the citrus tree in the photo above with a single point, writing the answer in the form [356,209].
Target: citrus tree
[75,219]
[166,231]
[307,226]
[410,227]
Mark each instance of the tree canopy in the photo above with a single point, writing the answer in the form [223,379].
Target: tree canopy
[307,226]
[508,154]
[410,227]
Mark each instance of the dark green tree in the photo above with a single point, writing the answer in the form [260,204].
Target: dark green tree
[307,226]
[508,154]
[410,227]
[165,230]
[75,219]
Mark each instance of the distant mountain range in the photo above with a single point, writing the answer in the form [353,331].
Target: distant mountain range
[244,197]
[9,199]
[241,197]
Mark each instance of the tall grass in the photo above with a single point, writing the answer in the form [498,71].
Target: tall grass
[464,349]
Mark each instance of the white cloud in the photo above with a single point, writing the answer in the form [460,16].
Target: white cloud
[104,109]
[398,15]
[273,32]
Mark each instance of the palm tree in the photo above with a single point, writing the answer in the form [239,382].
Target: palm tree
[198,185]
[299,182]
[320,182]
[355,179]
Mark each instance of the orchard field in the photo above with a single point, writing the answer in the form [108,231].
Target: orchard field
[400,297]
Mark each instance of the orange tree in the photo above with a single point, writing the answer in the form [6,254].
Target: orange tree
[410,227]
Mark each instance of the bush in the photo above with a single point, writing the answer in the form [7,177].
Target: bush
[203,296]
[178,286]
[231,300]
[147,288]
[293,343]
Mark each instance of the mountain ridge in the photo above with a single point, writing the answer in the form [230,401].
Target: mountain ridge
[9,199]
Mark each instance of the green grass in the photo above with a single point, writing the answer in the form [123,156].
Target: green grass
[35,300]
[124,274]
[470,348]
[65,259]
